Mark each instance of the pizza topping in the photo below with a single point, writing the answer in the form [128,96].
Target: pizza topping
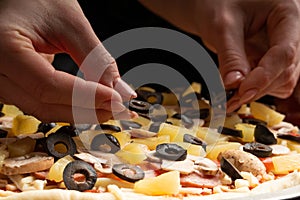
[171,152]
[60,144]
[21,147]
[206,166]
[140,107]
[128,173]
[258,149]
[278,149]
[3,133]
[45,127]
[229,131]
[263,135]
[79,167]
[290,136]
[186,121]
[106,143]
[26,164]
[141,133]
[230,169]
[127,125]
[108,127]
[158,113]
[184,167]
[194,140]
[199,181]
[154,127]
[254,121]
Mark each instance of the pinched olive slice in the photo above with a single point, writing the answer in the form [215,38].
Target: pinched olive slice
[186,121]
[83,168]
[108,127]
[141,107]
[230,94]
[150,97]
[228,131]
[128,172]
[229,169]
[171,151]
[258,149]
[60,144]
[289,136]
[194,140]
[45,127]
[263,135]
[127,125]
[105,143]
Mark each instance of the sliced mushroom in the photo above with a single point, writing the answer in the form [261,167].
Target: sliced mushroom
[32,162]
[278,149]
[184,167]
[152,158]
[141,133]
[206,166]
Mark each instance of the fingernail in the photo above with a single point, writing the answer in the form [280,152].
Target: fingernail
[232,77]
[233,106]
[114,106]
[248,95]
[124,89]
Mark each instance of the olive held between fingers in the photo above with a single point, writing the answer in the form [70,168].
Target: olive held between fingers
[105,143]
[263,135]
[289,136]
[45,127]
[186,121]
[194,140]
[171,151]
[229,169]
[60,144]
[108,127]
[141,107]
[128,172]
[127,125]
[79,167]
[258,149]
[228,131]
[254,121]
[150,97]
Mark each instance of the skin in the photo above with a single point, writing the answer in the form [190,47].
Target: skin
[257,41]
[31,32]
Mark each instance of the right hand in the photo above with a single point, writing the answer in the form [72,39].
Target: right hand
[29,30]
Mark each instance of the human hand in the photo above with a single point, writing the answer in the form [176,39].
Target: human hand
[257,43]
[32,29]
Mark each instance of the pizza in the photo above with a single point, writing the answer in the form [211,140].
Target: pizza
[169,152]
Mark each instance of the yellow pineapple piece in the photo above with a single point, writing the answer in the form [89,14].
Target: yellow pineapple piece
[265,113]
[164,184]
[142,120]
[213,150]
[24,125]
[123,137]
[11,110]
[210,136]
[247,130]
[133,153]
[152,142]
[57,169]
[21,147]
[232,120]
[176,133]
[192,149]
[286,163]
[169,99]
[193,88]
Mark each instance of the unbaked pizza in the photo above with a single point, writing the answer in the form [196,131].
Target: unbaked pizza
[169,152]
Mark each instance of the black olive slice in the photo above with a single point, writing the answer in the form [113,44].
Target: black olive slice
[203,113]
[263,135]
[141,107]
[3,133]
[70,130]
[194,140]
[186,121]
[109,127]
[230,94]
[64,140]
[1,114]
[83,127]
[128,172]
[150,97]
[45,127]
[105,143]
[79,167]
[289,136]
[228,131]
[258,149]
[158,113]
[254,121]
[127,125]
[171,151]
[154,127]
[229,169]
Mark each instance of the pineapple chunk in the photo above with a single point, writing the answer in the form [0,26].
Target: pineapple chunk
[122,137]
[232,120]
[285,164]
[21,147]
[192,149]
[169,99]
[293,146]
[152,142]
[193,88]
[57,169]
[11,110]
[213,150]
[164,184]
[210,136]
[133,153]
[247,130]
[24,125]
[263,112]
[176,133]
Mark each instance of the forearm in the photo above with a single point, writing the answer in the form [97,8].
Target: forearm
[180,13]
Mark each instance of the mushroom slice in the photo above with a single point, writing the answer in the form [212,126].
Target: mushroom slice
[97,162]
[278,149]
[184,167]
[28,163]
[206,166]
[141,133]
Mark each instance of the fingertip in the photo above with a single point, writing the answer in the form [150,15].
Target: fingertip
[232,79]
[124,89]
